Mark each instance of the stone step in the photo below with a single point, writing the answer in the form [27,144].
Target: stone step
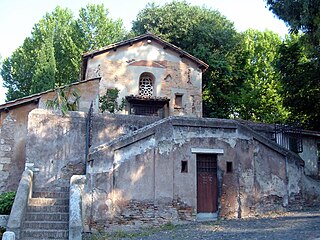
[48,201]
[44,234]
[38,216]
[47,225]
[49,194]
[49,209]
[51,189]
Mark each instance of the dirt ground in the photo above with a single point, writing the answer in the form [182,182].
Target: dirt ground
[290,226]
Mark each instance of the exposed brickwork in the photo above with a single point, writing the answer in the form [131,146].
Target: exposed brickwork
[6,152]
[138,213]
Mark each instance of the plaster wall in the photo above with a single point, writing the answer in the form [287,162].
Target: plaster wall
[88,90]
[56,143]
[145,168]
[55,147]
[309,155]
[122,68]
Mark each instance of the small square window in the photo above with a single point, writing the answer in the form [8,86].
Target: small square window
[178,100]
[184,166]
[229,167]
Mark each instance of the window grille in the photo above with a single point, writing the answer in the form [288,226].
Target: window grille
[146,86]
[206,163]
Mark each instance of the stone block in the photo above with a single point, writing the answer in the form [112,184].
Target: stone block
[5,148]
[8,236]
[4,220]
[5,160]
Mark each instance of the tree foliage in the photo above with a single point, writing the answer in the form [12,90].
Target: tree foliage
[259,97]
[6,202]
[300,82]
[95,29]
[66,99]
[204,33]
[299,15]
[51,56]
[299,62]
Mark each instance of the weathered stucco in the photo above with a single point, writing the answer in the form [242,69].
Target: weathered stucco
[88,91]
[144,169]
[173,74]
[56,144]
[14,124]
[309,155]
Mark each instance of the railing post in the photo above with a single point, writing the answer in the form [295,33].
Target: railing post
[88,131]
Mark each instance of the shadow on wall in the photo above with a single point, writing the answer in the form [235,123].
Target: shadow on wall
[55,147]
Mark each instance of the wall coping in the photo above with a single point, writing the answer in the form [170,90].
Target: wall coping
[174,121]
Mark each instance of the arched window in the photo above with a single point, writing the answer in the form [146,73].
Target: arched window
[146,85]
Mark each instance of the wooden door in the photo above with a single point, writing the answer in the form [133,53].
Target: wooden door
[207,186]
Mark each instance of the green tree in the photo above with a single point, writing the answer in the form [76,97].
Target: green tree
[300,58]
[95,29]
[55,34]
[51,56]
[300,15]
[300,82]
[17,70]
[259,97]
[206,34]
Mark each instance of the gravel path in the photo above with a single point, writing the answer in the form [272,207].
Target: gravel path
[305,225]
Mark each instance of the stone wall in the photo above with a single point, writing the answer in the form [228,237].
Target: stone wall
[14,124]
[13,131]
[107,127]
[4,221]
[145,168]
[55,146]
[56,143]
[310,139]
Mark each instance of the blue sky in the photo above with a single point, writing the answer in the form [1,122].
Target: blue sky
[17,17]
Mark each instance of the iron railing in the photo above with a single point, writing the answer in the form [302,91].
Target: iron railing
[289,137]
[89,131]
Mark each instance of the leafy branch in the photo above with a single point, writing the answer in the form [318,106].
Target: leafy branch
[66,99]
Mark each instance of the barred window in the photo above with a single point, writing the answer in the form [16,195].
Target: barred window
[146,85]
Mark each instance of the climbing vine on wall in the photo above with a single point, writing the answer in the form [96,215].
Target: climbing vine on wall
[109,101]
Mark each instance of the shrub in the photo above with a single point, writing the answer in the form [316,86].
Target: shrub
[6,202]
[2,230]
[109,102]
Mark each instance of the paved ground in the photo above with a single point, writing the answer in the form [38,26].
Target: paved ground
[303,225]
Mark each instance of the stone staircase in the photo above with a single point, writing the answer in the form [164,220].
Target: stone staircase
[47,215]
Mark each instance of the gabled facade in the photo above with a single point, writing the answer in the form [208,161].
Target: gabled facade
[152,75]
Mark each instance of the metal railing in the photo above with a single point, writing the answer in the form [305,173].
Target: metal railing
[289,137]
[89,131]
